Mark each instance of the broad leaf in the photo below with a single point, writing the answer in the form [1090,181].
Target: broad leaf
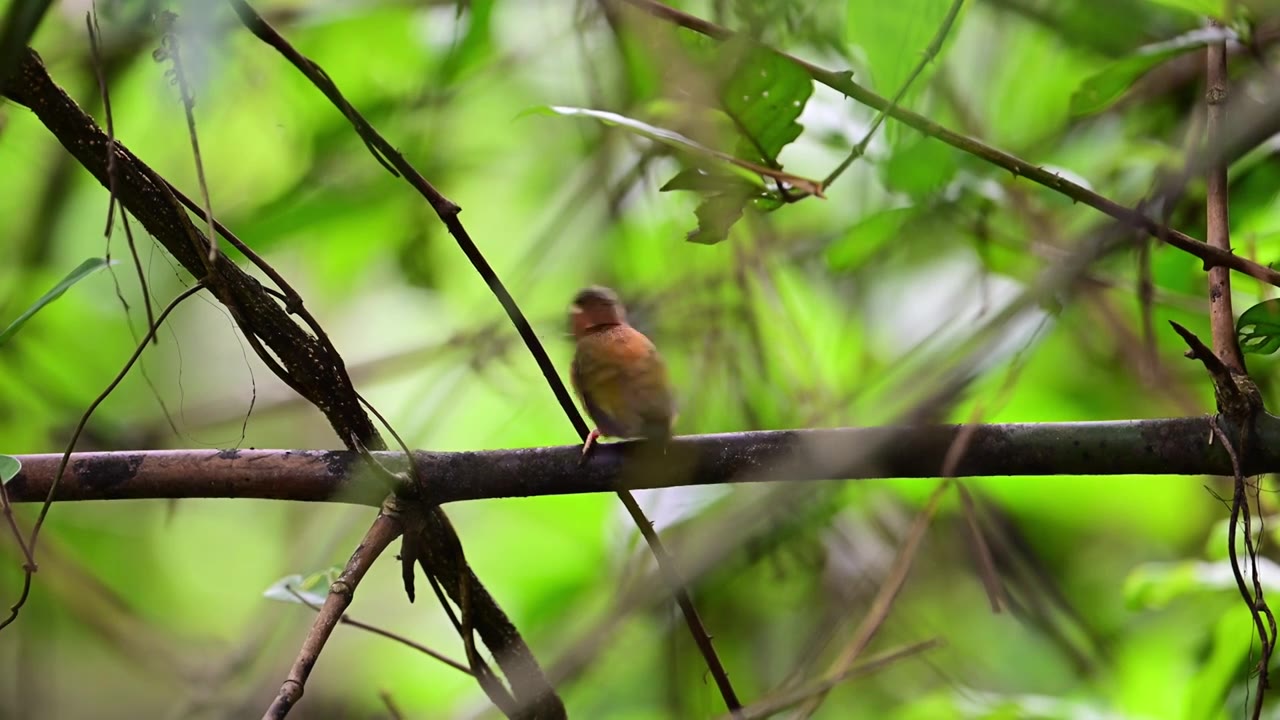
[764,96]
[1258,328]
[86,268]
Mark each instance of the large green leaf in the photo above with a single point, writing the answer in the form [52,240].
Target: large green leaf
[1258,328]
[1098,91]
[893,36]
[764,96]
[85,269]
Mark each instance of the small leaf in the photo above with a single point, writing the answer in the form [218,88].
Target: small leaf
[1099,91]
[1258,328]
[747,169]
[86,268]
[298,589]
[716,215]
[10,466]
[699,180]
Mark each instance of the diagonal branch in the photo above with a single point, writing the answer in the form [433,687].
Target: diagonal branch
[305,362]
[448,213]
[384,530]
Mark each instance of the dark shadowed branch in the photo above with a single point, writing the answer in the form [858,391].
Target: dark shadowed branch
[1175,446]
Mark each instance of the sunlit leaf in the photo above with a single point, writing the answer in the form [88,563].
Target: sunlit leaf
[1099,91]
[764,96]
[10,466]
[1258,328]
[85,269]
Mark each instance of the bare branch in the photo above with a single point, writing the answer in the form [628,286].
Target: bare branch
[1174,446]
[386,527]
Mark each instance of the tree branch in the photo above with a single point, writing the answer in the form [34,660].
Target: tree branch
[1173,446]
[384,529]
[1217,225]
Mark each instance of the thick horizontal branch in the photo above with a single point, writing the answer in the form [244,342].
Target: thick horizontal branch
[1176,446]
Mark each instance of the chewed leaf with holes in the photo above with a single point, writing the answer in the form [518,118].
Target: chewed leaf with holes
[764,97]
[1258,328]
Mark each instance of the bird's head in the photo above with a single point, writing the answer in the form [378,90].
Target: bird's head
[595,308]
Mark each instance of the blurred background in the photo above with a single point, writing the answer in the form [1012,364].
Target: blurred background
[848,310]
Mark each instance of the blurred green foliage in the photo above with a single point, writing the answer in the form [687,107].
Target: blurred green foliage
[847,310]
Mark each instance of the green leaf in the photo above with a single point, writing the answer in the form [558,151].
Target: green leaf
[867,238]
[1099,91]
[920,168]
[301,590]
[9,468]
[699,180]
[1258,328]
[764,96]
[86,268]
[716,215]
[893,37]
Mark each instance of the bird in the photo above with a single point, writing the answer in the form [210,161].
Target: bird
[617,372]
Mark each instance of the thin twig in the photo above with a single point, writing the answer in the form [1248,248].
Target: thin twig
[448,212]
[95,48]
[769,707]
[75,437]
[1239,508]
[930,52]
[883,601]
[347,620]
[392,710]
[171,50]
[386,528]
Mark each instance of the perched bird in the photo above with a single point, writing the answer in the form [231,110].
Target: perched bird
[617,372]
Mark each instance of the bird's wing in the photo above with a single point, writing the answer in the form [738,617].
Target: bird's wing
[597,379]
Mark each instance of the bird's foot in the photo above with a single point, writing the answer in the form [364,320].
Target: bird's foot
[586,446]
